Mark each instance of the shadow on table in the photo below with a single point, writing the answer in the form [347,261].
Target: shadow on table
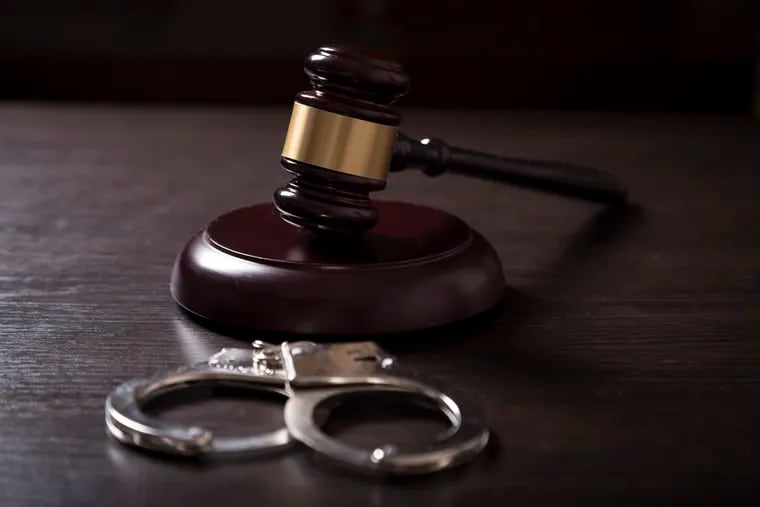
[605,231]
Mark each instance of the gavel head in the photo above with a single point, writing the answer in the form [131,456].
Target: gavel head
[340,141]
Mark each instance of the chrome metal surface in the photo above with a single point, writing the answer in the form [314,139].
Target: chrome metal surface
[127,422]
[315,377]
[466,437]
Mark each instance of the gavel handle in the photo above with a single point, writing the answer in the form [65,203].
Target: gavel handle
[435,157]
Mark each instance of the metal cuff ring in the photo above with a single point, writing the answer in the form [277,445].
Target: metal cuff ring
[465,438]
[126,421]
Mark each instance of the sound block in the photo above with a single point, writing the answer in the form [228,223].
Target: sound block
[418,268]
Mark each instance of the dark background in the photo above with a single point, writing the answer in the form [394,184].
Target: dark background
[668,55]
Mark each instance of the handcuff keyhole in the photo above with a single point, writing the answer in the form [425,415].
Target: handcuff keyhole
[384,362]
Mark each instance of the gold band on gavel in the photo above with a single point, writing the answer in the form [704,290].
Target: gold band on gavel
[339,143]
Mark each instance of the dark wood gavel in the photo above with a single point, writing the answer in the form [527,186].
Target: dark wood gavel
[343,140]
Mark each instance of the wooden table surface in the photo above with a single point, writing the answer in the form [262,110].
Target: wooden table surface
[623,366]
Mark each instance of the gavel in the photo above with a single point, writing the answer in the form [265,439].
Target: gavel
[392,266]
[343,140]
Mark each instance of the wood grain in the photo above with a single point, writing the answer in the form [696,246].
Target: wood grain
[623,366]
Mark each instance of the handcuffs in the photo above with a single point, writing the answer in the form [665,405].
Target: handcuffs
[313,377]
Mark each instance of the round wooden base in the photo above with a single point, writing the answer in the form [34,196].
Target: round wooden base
[418,268]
